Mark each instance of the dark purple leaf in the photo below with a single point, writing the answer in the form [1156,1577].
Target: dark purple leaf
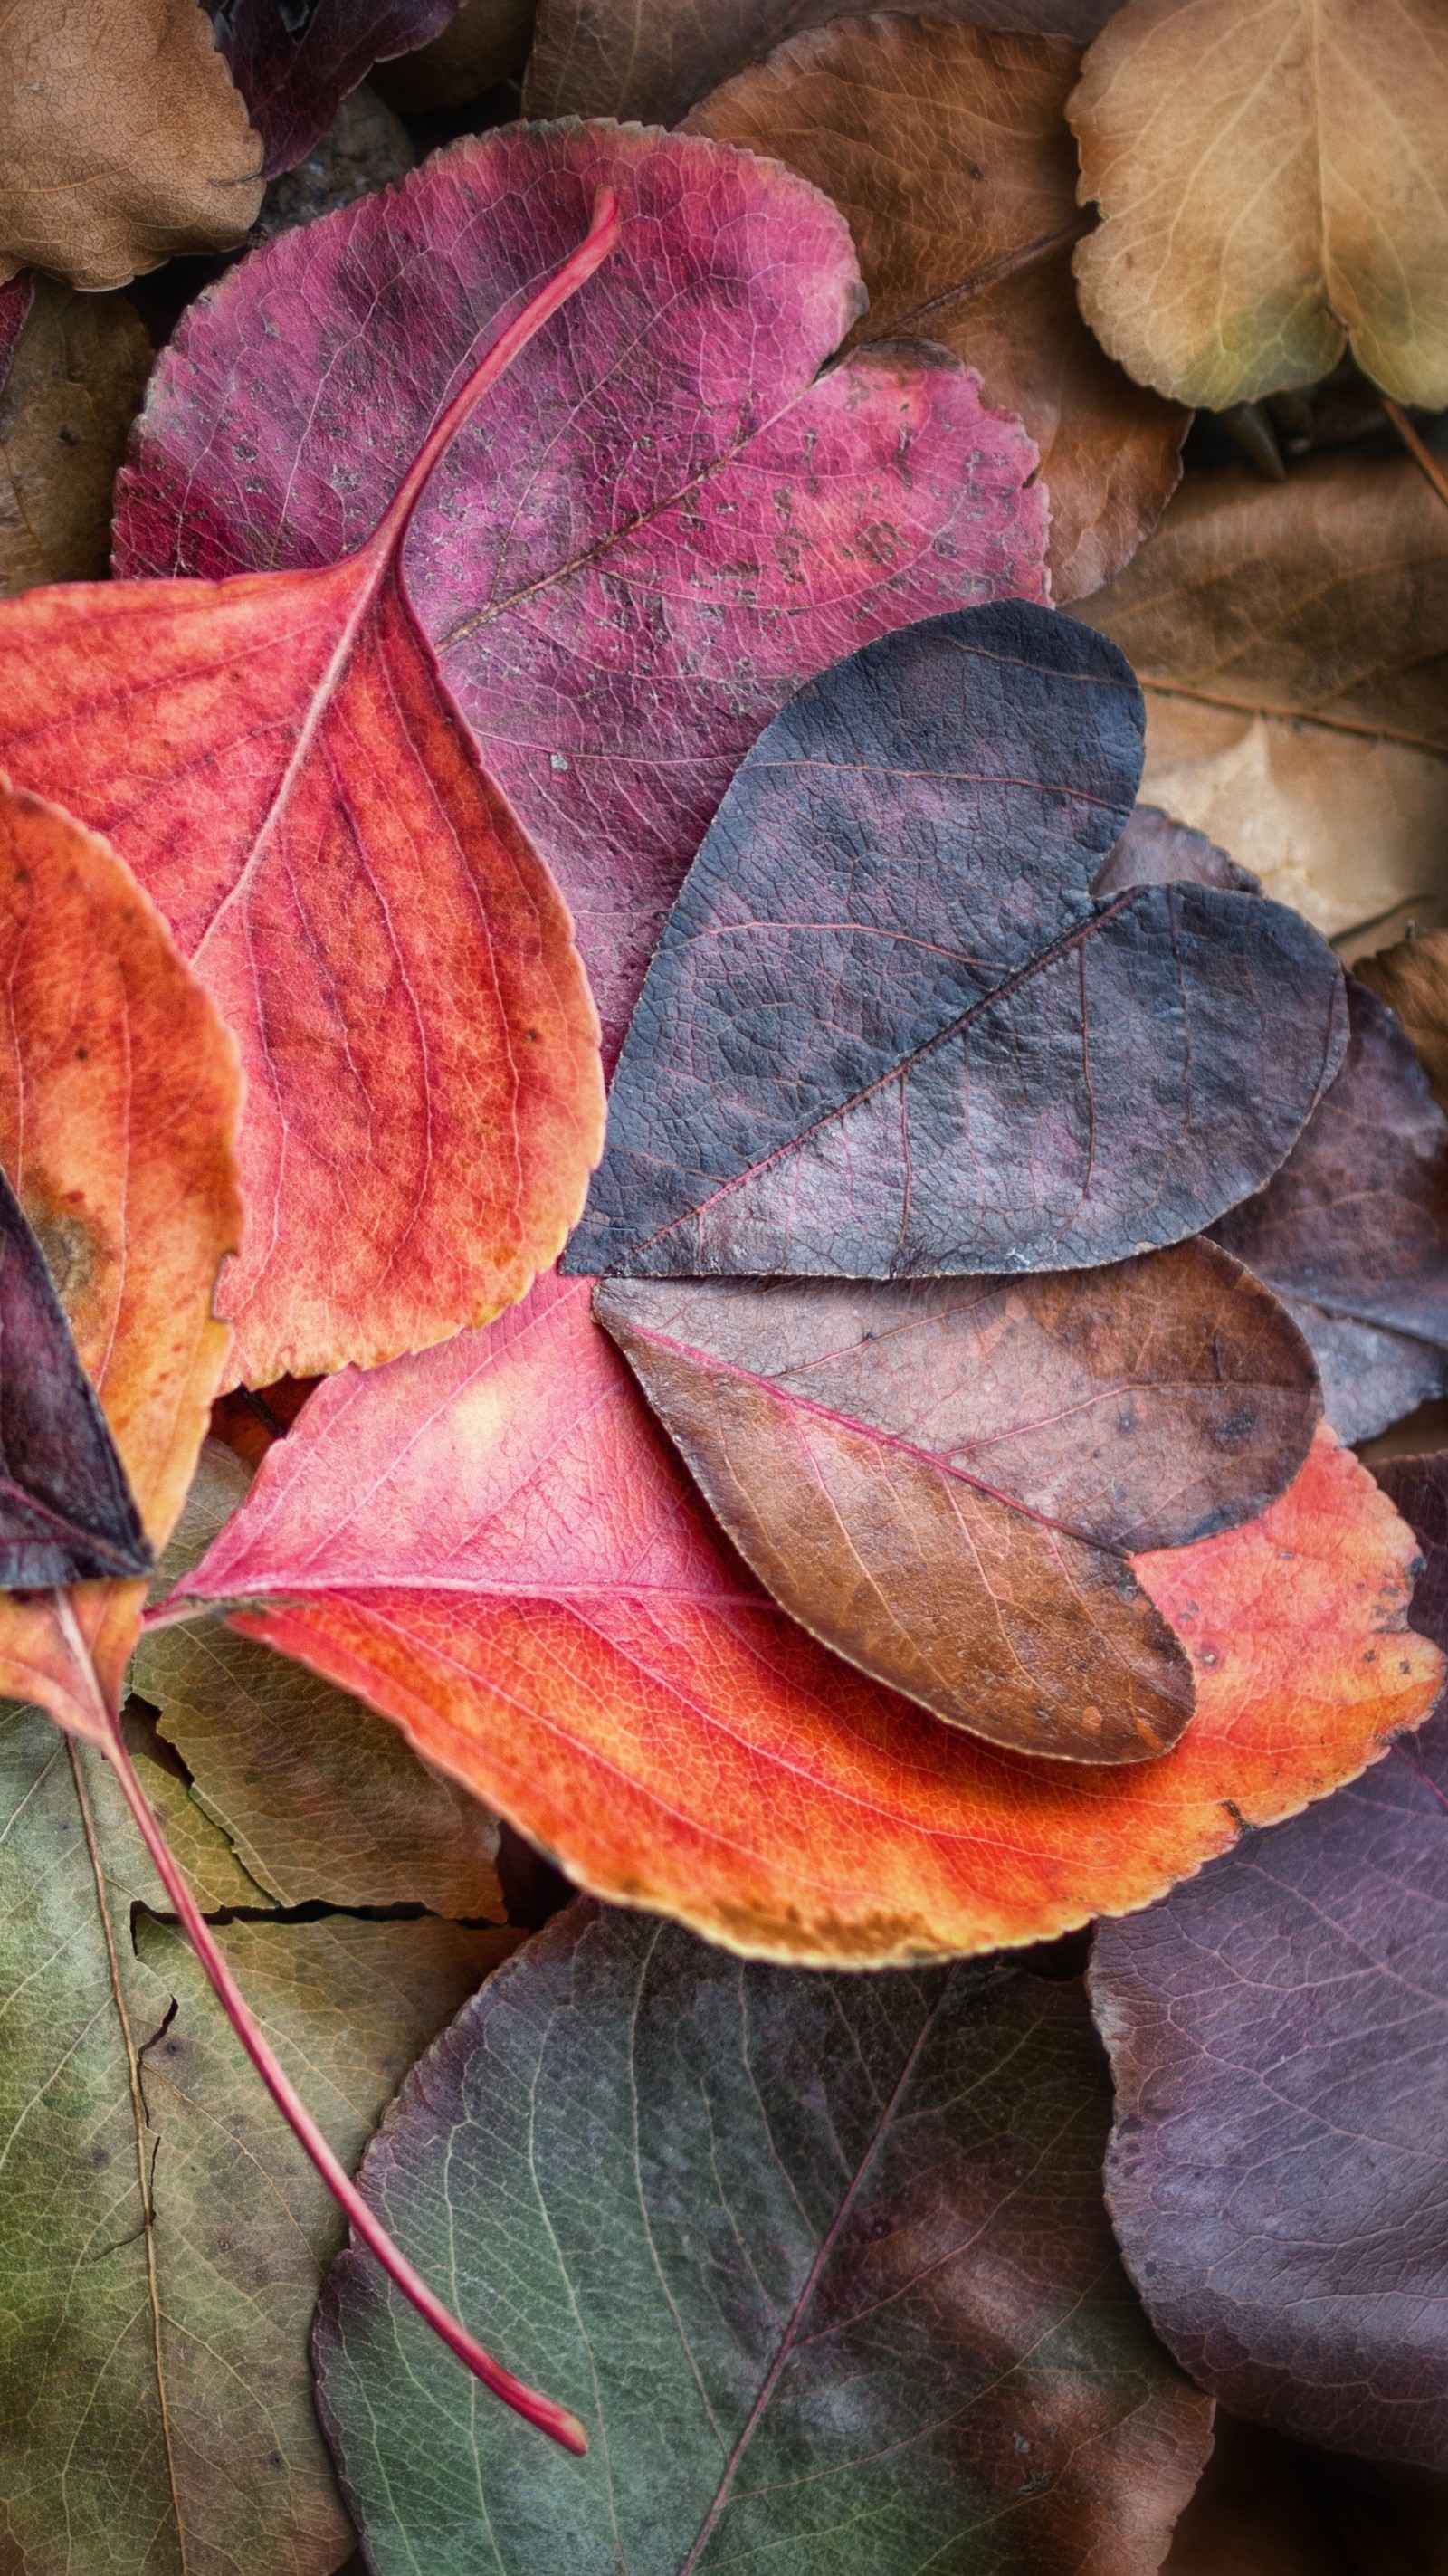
[1155,850]
[294,61]
[66,1511]
[1369,1377]
[888,1031]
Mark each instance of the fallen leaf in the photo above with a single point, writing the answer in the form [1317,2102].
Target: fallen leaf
[320,1798]
[162,2224]
[279,760]
[17,295]
[610,58]
[294,64]
[1413,978]
[364,148]
[123,139]
[947,149]
[1369,1377]
[942,1482]
[1291,641]
[657,526]
[888,1033]
[485,43]
[1356,1220]
[75,379]
[1155,849]
[525,1580]
[1279,2042]
[1262,2509]
[213,1872]
[1273,188]
[118,1104]
[822,2262]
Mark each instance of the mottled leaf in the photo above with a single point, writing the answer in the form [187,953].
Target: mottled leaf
[1279,2041]
[948,150]
[74,382]
[888,1031]
[1273,185]
[279,760]
[657,526]
[123,139]
[484,43]
[942,1482]
[294,61]
[164,2234]
[1292,643]
[525,1580]
[118,1103]
[614,58]
[821,2261]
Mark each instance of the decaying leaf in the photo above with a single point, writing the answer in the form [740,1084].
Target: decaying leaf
[1273,185]
[118,1104]
[889,1033]
[483,44]
[941,1481]
[1292,642]
[1370,1377]
[660,522]
[616,58]
[74,383]
[364,148]
[1155,849]
[280,761]
[294,64]
[17,295]
[123,139]
[492,1544]
[1413,978]
[822,2261]
[947,149]
[165,2236]
[1279,2041]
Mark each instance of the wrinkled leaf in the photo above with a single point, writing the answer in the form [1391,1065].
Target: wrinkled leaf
[278,758]
[661,521]
[1273,185]
[74,382]
[1413,978]
[1292,642]
[320,1798]
[294,61]
[888,1032]
[117,2067]
[1279,2042]
[123,139]
[942,1482]
[1369,1377]
[525,1580]
[948,150]
[615,58]
[483,44]
[821,2261]
[1155,849]
[118,1103]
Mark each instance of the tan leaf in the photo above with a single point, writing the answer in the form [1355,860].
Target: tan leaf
[1274,184]
[123,139]
[70,397]
[483,44]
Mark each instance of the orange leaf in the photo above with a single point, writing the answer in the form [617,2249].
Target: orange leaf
[119,1095]
[278,757]
[492,1545]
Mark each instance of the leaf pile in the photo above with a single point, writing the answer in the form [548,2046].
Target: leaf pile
[691,1208]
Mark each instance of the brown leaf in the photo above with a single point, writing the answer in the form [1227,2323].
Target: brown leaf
[483,44]
[123,139]
[1274,184]
[1292,641]
[1413,977]
[941,1480]
[74,385]
[1261,2509]
[947,149]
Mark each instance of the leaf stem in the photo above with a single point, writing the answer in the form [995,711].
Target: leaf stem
[1422,456]
[527,2402]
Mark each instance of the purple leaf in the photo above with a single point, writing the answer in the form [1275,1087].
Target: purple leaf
[294,61]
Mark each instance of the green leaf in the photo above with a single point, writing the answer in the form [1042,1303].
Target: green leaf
[821,2260]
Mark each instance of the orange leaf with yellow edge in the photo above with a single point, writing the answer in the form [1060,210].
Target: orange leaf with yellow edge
[491,1543]
[119,1096]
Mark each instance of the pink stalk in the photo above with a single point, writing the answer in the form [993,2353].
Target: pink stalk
[105,1731]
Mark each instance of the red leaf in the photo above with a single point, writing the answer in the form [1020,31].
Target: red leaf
[294,66]
[491,1543]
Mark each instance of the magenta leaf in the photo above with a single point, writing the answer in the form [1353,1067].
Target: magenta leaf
[667,516]
[294,61]
[889,1032]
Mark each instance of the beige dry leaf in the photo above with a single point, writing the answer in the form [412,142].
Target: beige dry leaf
[1274,182]
[72,392]
[123,139]
[946,148]
[1292,640]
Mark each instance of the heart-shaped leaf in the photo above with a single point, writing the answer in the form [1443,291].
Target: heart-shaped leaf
[294,61]
[657,526]
[822,2261]
[492,1544]
[889,1032]
[1250,229]
[942,1482]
